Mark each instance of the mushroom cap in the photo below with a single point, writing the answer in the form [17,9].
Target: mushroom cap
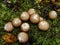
[23,37]
[35,18]
[43,25]
[31,11]
[41,18]
[16,22]
[25,27]
[8,27]
[24,16]
[52,14]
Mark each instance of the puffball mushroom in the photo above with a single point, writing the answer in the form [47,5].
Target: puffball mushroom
[25,27]
[8,27]
[24,16]
[23,37]
[31,11]
[35,18]
[41,18]
[16,22]
[43,25]
[52,14]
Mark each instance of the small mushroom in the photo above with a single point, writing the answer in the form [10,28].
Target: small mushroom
[35,18]
[25,27]
[23,37]
[16,22]
[41,18]
[31,11]
[52,14]
[8,27]
[24,16]
[43,25]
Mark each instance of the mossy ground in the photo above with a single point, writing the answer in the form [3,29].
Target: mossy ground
[36,37]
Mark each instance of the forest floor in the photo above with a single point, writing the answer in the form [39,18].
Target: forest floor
[36,36]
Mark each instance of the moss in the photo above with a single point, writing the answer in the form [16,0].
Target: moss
[37,37]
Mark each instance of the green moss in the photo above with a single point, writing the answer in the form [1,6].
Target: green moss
[50,37]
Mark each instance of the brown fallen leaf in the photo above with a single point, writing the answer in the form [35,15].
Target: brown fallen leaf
[9,38]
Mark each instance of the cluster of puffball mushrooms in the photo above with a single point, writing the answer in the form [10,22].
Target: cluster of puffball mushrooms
[25,27]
